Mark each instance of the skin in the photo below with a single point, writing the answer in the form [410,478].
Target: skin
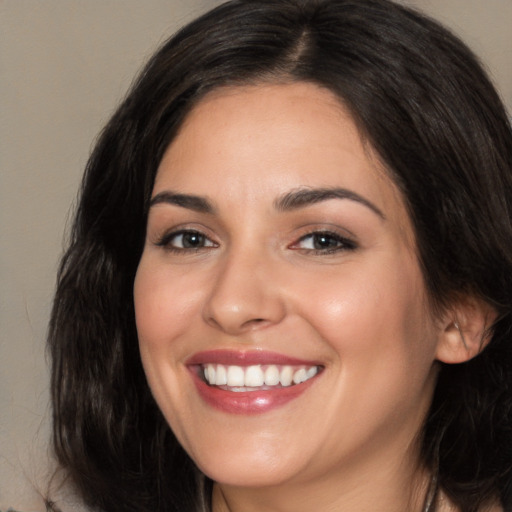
[350,441]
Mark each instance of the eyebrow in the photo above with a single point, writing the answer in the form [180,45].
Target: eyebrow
[197,203]
[293,200]
[303,197]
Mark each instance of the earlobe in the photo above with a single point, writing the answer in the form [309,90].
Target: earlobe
[467,331]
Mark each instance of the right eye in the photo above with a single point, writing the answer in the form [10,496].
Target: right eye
[185,240]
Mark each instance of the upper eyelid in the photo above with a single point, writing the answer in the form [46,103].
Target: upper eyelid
[331,228]
[170,233]
[170,225]
[341,237]
[334,234]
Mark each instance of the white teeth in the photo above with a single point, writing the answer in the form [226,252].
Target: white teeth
[286,376]
[235,376]
[239,378]
[221,379]
[299,376]
[311,372]
[210,369]
[272,376]
[254,376]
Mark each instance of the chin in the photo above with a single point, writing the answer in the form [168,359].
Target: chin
[247,474]
[250,467]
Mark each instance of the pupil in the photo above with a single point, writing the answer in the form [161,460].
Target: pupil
[191,240]
[324,241]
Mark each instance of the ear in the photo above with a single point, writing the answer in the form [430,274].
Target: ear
[466,330]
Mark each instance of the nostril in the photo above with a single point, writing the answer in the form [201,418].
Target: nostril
[254,322]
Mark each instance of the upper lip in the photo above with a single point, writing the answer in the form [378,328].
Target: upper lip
[246,358]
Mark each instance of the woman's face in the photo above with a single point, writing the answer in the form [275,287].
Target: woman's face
[280,263]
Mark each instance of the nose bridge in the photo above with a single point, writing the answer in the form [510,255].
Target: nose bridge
[244,294]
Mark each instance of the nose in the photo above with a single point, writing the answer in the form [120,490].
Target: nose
[244,295]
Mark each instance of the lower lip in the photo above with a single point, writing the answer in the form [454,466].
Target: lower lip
[249,402]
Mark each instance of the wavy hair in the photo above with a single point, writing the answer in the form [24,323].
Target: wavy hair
[422,101]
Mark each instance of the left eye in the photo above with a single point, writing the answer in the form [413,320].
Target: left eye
[187,239]
[323,241]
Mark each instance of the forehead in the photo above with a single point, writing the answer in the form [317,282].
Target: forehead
[291,110]
[259,141]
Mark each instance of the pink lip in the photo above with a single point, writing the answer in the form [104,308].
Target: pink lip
[247,358]
[246,402]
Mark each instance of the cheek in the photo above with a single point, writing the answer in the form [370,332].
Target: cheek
[372,311]
[382,344]
[164,302]
[163,312]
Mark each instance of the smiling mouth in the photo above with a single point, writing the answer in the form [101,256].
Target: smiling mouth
[255,377]
[251,382]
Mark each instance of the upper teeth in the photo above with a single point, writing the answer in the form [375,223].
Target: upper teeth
[256,375]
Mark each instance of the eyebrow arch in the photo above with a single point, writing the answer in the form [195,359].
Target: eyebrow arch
[191,202]
[306,196]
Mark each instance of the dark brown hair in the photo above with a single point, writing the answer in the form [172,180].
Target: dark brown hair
[421,99]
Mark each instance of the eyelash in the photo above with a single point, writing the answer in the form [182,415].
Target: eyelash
[341,243]
[166,241]
[335,242]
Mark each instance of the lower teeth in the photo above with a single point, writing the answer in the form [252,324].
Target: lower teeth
[244,389]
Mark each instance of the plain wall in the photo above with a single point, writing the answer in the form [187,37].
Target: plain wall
[64,65]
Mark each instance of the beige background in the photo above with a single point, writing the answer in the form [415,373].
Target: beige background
[64,65]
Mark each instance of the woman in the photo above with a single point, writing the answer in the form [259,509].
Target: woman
[289,280]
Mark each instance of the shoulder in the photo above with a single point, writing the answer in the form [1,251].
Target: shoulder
[496,507]
[444,504]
